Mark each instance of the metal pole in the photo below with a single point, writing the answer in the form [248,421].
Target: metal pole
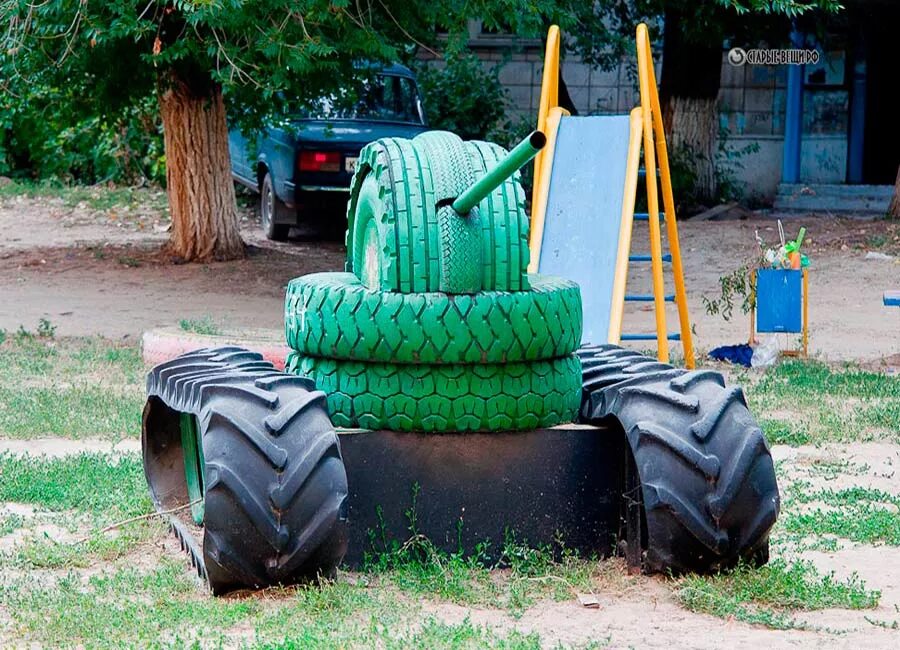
[514,160]
[793,117]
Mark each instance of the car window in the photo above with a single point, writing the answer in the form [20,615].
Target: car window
[386,98]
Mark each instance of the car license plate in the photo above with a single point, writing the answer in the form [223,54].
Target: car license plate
[350,164]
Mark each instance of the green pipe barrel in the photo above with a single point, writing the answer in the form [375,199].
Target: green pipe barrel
[513,162]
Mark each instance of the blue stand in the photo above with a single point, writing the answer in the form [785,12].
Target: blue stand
[781,304]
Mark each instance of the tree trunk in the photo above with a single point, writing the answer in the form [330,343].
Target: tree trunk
[198,173]
[895,201]
[693,129]
[689,90]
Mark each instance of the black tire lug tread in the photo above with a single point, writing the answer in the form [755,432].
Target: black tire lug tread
[247,541]
[708,480]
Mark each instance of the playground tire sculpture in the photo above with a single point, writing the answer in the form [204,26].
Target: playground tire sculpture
[702,459]
[442,398]
[436,327]
[269,466]
[334,315]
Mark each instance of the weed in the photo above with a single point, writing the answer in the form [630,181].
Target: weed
[418,567]
[205,326]
[130,262]
[732,286]
[764,595]
[46,329]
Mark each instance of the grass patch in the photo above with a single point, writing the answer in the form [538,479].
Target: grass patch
[103,488]
[125,608]
[518,578]
[824,403]
[768,595]
[165,608]
[858,514]
[205,325]
[79,494]
[69,387]
[432,633]
[10,524]
[779,432]
[100,198]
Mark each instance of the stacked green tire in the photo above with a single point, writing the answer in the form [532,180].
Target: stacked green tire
[436,325]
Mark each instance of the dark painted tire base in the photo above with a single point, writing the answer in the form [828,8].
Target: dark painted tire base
[706,475]
[275,484]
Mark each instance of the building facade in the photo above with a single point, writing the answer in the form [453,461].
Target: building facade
[827,123]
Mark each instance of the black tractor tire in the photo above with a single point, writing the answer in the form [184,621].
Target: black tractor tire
[271,211]
[706,474]
[275,486]
[334,315]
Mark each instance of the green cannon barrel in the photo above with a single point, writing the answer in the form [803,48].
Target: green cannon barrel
[513,162]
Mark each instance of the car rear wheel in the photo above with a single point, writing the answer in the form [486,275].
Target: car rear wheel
[269,207]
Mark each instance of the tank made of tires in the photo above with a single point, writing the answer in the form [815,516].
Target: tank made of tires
[436,388]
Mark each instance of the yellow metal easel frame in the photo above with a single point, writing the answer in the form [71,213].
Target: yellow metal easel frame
[646,130]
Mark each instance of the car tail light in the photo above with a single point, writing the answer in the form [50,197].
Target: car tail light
[320,161]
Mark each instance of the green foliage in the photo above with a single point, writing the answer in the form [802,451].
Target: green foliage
[733,286]
[762,596]
[463,96]
[43,136]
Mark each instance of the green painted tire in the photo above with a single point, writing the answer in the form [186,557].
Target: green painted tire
[392,189]
[504,224]
[334,315]
[439,399]
[459,235]
[399,240]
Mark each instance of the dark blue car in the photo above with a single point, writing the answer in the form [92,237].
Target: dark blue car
[302,166]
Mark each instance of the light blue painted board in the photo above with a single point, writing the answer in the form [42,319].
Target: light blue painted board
[584,211]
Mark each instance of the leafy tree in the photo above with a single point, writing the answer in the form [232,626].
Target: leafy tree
[197,54]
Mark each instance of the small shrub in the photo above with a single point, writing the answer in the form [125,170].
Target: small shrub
[463,96]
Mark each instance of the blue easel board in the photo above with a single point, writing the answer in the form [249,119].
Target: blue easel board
[779,300]
[584,212]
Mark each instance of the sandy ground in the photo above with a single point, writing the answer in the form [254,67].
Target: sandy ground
[70,266]
[637,611]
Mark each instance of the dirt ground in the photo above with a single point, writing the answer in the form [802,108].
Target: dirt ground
[71,264]
[90,274]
